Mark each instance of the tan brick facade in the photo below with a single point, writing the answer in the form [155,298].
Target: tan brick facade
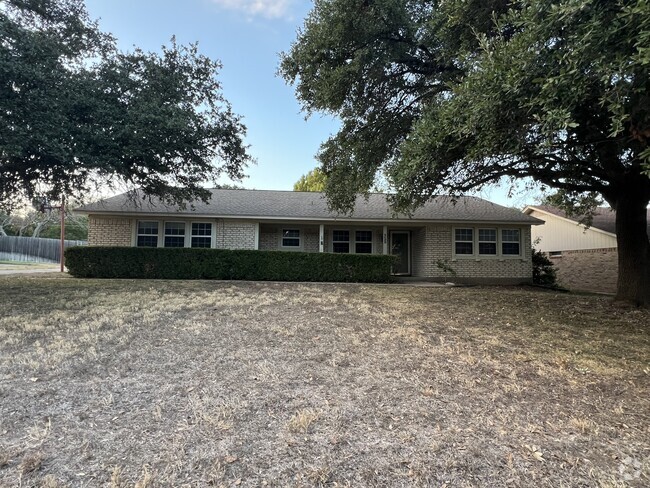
[110,231]
[431,246]
[233,234]
[270,237]
[432,252]
[594,270]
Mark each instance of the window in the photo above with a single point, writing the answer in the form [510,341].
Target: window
[363,242]
[510,242]
[341,241]
[487,242]
[290,238]
[174,234]
[201,234]
[555,254]
[464,241]
[147,234]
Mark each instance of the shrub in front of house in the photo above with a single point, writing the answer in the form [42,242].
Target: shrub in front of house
[544,273]
[223,264]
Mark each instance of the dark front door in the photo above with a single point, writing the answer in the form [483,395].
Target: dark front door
[400,246]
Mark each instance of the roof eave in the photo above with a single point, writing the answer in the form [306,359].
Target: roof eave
[267,218]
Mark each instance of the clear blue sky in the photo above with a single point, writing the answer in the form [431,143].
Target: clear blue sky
[247,37]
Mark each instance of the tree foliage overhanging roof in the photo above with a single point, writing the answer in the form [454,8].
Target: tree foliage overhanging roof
[453,95]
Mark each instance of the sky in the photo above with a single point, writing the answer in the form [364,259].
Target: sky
[247,36]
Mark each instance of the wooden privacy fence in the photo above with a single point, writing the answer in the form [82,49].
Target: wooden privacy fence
[39,249]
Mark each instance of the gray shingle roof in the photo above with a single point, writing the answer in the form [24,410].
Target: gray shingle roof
[268,204]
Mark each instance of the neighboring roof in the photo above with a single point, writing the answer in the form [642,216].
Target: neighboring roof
[604,217]
[292,205]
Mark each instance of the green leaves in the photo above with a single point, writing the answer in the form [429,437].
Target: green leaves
[76,113]
[450,96]
[314,180]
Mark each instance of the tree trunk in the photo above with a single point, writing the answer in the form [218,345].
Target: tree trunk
[633,250]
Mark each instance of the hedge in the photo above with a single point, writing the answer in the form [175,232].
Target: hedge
[222,264]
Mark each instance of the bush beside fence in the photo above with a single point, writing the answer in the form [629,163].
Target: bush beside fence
[222,264]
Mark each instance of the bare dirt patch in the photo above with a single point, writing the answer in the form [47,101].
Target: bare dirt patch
[149,383]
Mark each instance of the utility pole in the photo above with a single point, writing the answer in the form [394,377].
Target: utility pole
[62,233]
[61,208]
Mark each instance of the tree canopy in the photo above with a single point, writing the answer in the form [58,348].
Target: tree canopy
[314,180]
[449,96]
[76,112]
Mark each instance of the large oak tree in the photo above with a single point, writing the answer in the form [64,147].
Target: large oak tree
[76,112]
[448,96]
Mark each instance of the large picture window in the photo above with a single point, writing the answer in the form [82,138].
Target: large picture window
[174,234]
[487,242]
[147,235]
[341,241]
[464,241]
[510,242]
[290,238]
[201,234]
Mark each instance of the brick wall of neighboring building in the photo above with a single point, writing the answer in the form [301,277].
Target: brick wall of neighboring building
[432,252]
[110,231]
[233,234]
[594,270]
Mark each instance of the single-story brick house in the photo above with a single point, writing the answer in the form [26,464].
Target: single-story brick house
[585,258]
[471,240]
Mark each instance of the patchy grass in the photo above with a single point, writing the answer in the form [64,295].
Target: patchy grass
[150,383]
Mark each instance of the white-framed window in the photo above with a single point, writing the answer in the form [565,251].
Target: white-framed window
[291,238]
[147,233]
[341,241]
[510,242]
[487,242]
[464,241]
[174,234]
[201,234]
[363,242]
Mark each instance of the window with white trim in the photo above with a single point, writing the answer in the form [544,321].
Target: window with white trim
[341,241]
[464,241]
[290,238]
[147,234]
[510,242]
[201,234]
[363,242]
[174,234]
[487,242]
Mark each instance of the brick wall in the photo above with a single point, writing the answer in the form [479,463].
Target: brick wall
[110,231]
[270,237]
[430,244]
[233,234]
[433,244]
[594,270]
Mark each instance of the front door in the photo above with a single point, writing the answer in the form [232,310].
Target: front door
[400,246]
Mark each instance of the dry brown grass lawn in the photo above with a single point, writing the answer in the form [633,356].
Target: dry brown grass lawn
[150,383]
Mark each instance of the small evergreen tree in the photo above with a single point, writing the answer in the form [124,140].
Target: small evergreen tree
[543,270]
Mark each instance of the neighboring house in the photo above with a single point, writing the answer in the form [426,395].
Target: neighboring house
[585,258]
[471,240]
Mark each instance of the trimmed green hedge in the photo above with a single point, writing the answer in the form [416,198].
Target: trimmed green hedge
[222,264]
